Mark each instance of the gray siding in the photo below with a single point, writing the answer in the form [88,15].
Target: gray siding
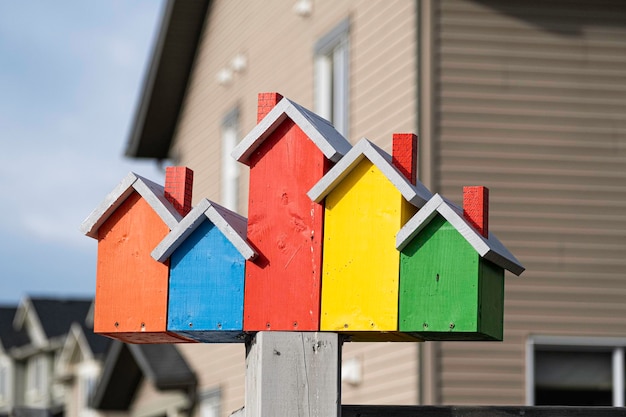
[530,101]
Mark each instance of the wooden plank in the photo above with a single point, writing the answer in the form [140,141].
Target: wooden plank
[471,411]
[361,265]
[293,374]
[282,290]
[326,138]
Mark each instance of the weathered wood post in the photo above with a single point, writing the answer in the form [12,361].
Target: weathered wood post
[292,374]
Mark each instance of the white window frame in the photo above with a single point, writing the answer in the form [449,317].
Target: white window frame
[210,403]
[87,375]
[332,77]
[615,345]
[37,378]
[5,383]
[230,167]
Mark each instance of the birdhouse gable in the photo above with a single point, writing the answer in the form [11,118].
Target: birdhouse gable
[489,248]
[330,142]
[230,224]
[151,192]
[416,194]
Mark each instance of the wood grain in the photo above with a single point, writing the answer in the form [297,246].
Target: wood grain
[282,289]
[293,374]
[131,287]
[443,285]
[206,287]
[361,265]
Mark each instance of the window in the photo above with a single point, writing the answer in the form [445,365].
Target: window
[87,374]
[210,403]
[4,381]
[332,59]
[575,371]
[230,167]
[36,378]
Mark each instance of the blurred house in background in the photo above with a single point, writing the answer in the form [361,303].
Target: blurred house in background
[49,358]
[144,380]
[527,98]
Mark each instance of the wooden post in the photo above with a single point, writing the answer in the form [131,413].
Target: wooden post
[291,374]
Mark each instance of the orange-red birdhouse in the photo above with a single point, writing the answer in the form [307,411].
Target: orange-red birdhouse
[132,287]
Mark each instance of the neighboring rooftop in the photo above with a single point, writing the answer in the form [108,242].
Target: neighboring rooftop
[9,337]
[126,365]
[166,80]
[57,315]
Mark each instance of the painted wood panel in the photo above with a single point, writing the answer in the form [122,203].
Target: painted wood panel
[361,265]
[443,285]
[282,290]
[131,287]
[384,40]
[206,287]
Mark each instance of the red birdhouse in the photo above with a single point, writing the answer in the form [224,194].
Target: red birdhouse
[289,150]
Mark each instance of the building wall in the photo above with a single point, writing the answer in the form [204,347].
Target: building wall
[152,402]
[279,48]
[530,101]
[526,98]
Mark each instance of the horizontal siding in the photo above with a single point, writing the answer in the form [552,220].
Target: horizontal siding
[383,91]
[219,366]
[531,102]
[280,58]
[389,373]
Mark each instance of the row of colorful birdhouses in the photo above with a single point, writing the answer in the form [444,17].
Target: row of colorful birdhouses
[339,238]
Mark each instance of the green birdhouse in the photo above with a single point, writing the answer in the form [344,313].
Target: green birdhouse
[452,271]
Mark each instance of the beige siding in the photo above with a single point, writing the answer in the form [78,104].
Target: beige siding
[220,366]
[531,102]
[279,47]
[152,402]
[389,373]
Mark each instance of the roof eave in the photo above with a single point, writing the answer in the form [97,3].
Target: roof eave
[327,139]
[165,82]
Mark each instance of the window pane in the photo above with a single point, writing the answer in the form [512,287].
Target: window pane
[230,167]
[331,82]
[573,378]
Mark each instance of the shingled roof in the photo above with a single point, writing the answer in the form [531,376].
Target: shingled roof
[126,365]
[165,82]
[9,336]
[57,315]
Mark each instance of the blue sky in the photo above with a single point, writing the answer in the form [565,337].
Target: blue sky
[70,78]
